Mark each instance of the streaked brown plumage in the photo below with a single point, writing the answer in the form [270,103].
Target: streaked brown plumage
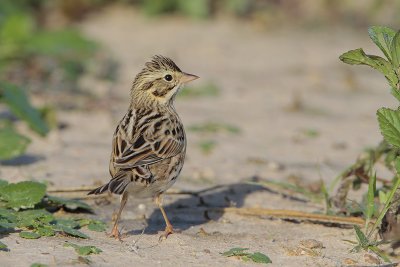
[149,144]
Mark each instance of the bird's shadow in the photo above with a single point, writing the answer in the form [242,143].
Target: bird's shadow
[196,209]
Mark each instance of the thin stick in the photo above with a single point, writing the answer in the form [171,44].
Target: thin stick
[70,189]
[291,214]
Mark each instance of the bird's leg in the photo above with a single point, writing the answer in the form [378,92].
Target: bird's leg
[168,228]
[115,232]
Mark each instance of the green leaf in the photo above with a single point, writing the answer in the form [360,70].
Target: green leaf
[70,231]
[389,123]
[39,265]
[395,51]
[68,223]
[93,225]
[396,93]
[3,182]
[29,235]
[34,218]
[382,197]
[259,258]
[83,250]
[362,239]
[3,246]
[12,144]
[15,30]
[8,219]
[23,194]
[45,230]
[69,204]
[97,226]
[65,44]
[235,252]
[382,37]
[195,8]
[20,106]
[6,225]
[371,198]
[358,57]
[397,165]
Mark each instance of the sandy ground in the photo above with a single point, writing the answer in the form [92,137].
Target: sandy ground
[261,74]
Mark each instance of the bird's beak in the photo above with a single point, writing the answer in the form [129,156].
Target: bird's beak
[188,77]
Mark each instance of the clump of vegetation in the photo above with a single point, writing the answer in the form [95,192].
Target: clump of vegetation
[386,214]
[36,57]
[244,255]
[27,209]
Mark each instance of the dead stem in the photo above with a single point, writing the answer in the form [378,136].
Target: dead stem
[292,215]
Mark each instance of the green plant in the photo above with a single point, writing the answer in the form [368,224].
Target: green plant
[388,42]
[13,144]
[25,208]
[25,45]
[242,254]
[83,250]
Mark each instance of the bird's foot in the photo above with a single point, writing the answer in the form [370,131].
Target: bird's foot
[168,230]
[115,233]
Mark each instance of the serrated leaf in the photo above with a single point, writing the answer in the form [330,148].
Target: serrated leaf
[12,144]
[70,231]
[358,57]
[235,252]
[3,246]
[20,106]
[389,123]
[83,250]
[70,204]
[362,239]
[23,194]
[382,37]
[259,258]
[395,50]
[29,235]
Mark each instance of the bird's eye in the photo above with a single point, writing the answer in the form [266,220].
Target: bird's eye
[168,78]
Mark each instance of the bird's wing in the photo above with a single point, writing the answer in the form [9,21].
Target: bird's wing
[161,140]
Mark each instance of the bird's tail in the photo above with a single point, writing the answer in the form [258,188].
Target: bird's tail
[99,190]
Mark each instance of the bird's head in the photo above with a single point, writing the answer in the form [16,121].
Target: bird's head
[159,82]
